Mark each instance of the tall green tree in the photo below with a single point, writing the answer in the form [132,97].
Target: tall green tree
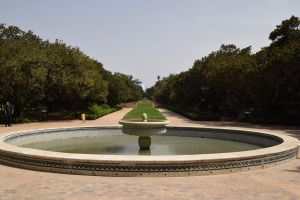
[231,81]
[37,74]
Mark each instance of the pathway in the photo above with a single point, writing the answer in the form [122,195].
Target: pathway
[111,119]
[281,182]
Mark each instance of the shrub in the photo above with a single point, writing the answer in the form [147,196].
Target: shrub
[96,111]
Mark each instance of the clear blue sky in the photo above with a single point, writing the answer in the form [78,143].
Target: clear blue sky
[147,38]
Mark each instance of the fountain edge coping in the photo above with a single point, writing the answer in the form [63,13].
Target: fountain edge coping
[287,144]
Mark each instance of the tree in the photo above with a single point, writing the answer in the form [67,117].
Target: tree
[287,31]
[38,74]
[278,80]
[122,88]
[230,81]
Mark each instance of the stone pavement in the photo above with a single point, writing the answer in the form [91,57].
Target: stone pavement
[281,182]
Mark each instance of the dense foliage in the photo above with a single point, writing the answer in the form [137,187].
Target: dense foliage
[40,75]
[95,111]
[233,83]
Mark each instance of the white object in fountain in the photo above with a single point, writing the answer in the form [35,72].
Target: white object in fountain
[144,117]
[144,130]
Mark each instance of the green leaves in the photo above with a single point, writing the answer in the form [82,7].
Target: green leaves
[288,30]
[35,73]
[122,88]
[96,111]
[232,81]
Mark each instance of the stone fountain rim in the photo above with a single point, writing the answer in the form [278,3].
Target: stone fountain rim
[173,165]
[287,143]
[142,124]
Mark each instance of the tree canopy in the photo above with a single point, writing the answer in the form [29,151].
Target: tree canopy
[232,82]
[36,74]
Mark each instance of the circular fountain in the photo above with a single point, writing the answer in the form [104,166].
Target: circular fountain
[144,130]
[179,151]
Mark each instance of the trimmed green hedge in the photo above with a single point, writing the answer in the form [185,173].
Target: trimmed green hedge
[96,111]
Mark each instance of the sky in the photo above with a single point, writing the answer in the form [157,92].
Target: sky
[150,38]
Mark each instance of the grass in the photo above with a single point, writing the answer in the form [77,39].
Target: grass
[144,106]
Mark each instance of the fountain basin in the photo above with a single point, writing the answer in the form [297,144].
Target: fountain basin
[143,128]
[275,149]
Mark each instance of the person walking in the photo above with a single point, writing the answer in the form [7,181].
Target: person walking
[83,117]
[8,111]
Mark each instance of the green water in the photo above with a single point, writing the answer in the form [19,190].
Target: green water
[128,145]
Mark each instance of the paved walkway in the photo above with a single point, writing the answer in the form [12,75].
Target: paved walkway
[281,182]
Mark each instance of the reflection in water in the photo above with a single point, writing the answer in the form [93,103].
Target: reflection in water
[145,152]
[126,145]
